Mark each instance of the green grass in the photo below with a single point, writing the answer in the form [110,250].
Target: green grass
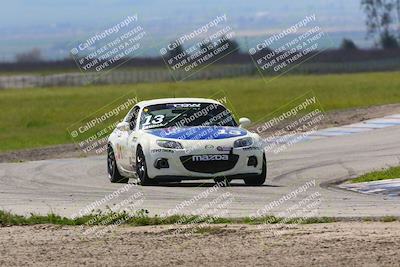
[40,116]
[141,218]
[391,173]
[389,219]
[209,230]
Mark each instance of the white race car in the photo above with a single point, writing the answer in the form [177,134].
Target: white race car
[174,139]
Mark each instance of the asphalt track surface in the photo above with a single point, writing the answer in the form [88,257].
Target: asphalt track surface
[67,186]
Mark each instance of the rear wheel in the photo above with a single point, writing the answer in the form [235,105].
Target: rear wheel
[260,179]
[113,173]
[141,168]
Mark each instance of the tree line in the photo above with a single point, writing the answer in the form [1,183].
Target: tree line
[383,21]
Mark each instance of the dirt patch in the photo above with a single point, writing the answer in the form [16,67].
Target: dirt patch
[52,152]
[332,119]
[341,117]
[349,116]
[334,244]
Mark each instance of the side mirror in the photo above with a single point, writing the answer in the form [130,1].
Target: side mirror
[123,126]
[244,122]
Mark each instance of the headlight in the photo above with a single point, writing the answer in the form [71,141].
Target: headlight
[169,144]
[248,141]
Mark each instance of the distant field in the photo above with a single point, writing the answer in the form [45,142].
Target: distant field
[75,69]
[40,117]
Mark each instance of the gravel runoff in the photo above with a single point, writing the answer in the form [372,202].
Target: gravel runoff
[332,244]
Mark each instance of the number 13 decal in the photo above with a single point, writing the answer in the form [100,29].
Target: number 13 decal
[157,119]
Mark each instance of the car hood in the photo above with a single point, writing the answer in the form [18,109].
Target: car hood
[198,132]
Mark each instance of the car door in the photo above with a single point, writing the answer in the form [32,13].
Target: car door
[133,139]
[128,155]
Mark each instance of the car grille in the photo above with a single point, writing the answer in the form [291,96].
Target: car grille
[209,166]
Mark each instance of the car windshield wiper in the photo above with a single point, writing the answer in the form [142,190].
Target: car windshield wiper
[168,123]
[165,125]
[151,127]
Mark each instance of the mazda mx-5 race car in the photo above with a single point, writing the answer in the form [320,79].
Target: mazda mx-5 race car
[176,139]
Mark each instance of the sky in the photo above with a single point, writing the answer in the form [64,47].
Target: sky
[55,25]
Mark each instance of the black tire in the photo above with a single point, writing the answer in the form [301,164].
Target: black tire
[113,173]
[141,168]
[260,179]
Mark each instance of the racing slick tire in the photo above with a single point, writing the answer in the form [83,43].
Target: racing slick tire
[260,179]
[141,168]
[113,173]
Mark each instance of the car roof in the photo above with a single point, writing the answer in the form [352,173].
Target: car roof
[175,100]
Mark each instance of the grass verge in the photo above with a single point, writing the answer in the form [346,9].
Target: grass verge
[141,218]
[391,173]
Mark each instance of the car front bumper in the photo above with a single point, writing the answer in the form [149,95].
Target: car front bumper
[182,166]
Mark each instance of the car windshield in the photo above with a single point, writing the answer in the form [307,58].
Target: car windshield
[185,115]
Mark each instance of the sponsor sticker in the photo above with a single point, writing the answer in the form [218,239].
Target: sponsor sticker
[160,150]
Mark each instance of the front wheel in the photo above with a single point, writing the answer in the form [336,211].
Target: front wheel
[113,173]
[141,168]
[260,179]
